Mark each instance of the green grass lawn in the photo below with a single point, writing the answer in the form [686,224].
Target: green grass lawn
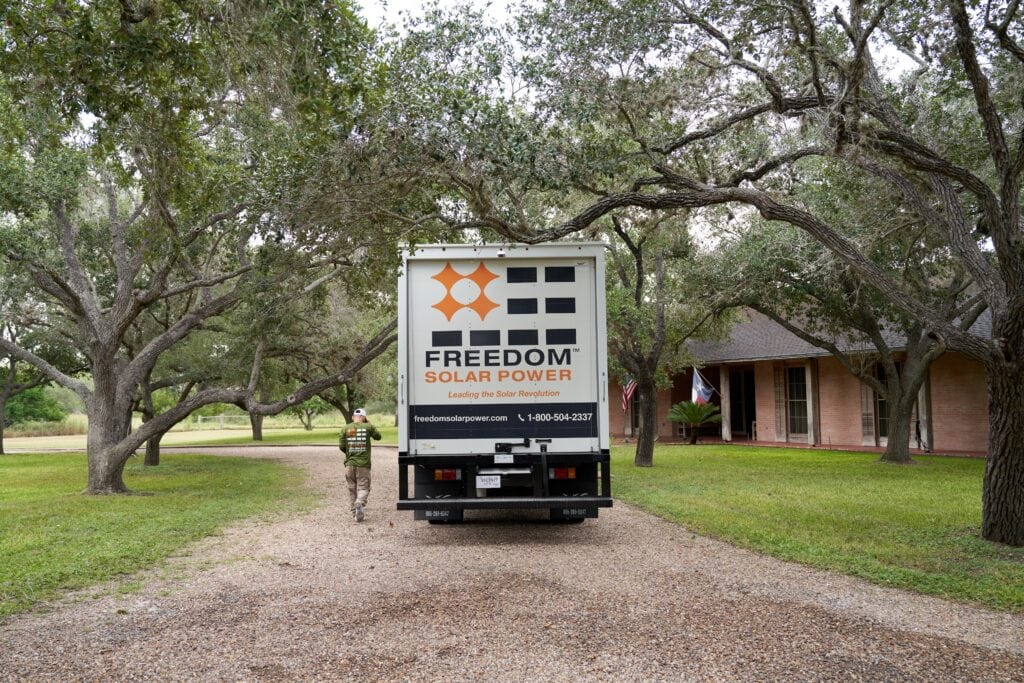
[53,538]
[326,436]
[284,436]
[291,436]
[915,526]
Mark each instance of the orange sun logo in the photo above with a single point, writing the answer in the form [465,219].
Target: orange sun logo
[449,305]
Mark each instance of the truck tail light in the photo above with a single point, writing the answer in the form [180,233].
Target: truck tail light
[561,473]
[448,475]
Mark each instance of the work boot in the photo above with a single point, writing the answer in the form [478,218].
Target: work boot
[359,514]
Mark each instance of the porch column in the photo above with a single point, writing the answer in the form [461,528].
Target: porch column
[723,392]
[924,415]
[812,403]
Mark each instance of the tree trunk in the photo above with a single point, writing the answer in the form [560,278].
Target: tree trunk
[153,449]
[900,412]
[350,403]
[1002,506]
[107,429]
[693,434]
[897,446]
[647,394]
[109,419]
[106,473]
[5,394]
[153,444]
[256,422]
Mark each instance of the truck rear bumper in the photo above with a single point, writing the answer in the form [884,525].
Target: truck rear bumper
[504,502]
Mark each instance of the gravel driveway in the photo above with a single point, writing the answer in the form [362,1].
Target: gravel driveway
[625,597]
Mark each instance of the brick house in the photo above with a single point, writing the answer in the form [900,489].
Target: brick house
[774,387]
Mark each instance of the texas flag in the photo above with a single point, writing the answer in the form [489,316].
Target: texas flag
[701,391]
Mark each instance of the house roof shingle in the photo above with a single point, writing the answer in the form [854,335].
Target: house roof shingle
[758,337]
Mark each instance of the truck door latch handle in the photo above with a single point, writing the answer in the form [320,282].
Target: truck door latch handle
[507,446]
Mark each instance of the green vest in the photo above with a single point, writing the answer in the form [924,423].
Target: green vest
[355,443]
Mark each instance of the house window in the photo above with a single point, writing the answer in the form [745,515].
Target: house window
[796,400]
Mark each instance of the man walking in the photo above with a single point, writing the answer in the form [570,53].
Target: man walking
[355,444]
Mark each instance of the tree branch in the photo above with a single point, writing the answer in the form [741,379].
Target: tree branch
[787,105]
[257,365]
[174,415]
[916,155]
[773,164]
[200,284]
[1001,30]
[638,259]
[953,226]
[147,357]
[84,288]
[980,87]
[771,209]
[46,368]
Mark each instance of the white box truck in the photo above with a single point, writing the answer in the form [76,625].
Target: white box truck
[503,380]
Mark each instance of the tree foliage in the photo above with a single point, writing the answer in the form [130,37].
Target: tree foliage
[721,104]
[695,104]
[783,273]
[156,153]
[24,321]
[656,302]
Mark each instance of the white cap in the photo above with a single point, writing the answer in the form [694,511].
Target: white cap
[358,411]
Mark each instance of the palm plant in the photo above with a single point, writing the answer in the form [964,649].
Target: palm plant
[694,415]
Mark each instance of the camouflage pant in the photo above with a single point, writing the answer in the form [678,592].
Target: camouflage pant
[358,480]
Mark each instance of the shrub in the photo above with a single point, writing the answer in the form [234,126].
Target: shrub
[32,405]
[693,415]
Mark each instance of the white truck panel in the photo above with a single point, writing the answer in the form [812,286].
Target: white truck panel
[500,344]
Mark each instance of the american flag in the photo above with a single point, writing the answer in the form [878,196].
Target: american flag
[628,389]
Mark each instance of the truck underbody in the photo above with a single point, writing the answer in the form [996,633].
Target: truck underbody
[572,486]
